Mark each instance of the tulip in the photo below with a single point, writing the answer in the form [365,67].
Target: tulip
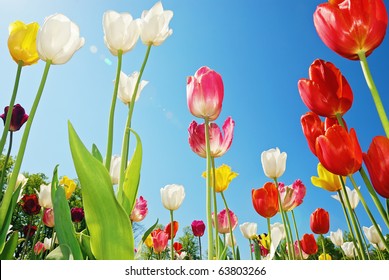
[326,92]
[168,229]
[177,247]
[155,25]
[21,180]
[224,175]
[18,117]
[351,27]
[149,241]
[308,244]
[205,92]
[373,236]
[273,163]
[45,196]
[58,39]
[30,204]
[48,217]
[297,251]
[222,221]
[69,186]
[77,214]
[291,196]
[140,210]
[280,228]
[265,200]
[277,234]
[320,221]
[349,249]
[160,240]
[29,230]
[121,32]
[327,180]
[114,170]
[352,196]
[249,230]
[219,144]
[377,163]
[230,241]
[339,151]
[47,242]
[198,228]
[39,248]
[22,42]
[127,87]
[312,127]
[324,257]
[172,196]
[337,237]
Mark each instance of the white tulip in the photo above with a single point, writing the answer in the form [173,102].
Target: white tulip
[352,195]
[21,180]
[373,237]
[280,227]
[114,169]
[337,237]
[44,196]
[172,196]
[229,239]
[155,25]
[127,87]
[249,230]
[47,243]
[121,32]
[58,39]
[276,237]
[273,163]
[349,249]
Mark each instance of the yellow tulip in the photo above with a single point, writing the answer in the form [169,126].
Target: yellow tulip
[69,185]
[149,241]
[224,176]
[264,240]
[327,257]
[327,180]
[22,42]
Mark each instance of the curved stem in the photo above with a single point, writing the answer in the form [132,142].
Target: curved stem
[6,160]
[171,235]
[112,113]
[297,235]
[229,225]
[11,185]
[208,193]
[215,207]
[374,92]
[11,106]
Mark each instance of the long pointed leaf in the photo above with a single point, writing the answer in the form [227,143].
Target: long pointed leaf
[10,246]
[111,235]
[96,153]
[149,231]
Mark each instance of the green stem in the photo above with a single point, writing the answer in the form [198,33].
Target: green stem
[208,195]
[215,207]
[269,234]
[37,233]
[374,92]
[372,219]
[354,223]
[200,248]
[126,136]
[251,250]
[6,160]
[24,251]
[171,235]
[11,185]
[290,234]
[324,247]
[11,106]
[297,235]
[360,230]
[229,225]
[112,113]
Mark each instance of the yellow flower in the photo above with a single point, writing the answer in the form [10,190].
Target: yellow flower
[224,176]
[149,241]
[69,186]
[327,180]
[327,257]
[264,240]
[22,42]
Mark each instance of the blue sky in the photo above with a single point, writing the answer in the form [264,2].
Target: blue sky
[261,49]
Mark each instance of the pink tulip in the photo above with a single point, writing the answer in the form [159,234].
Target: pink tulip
[160,240]
[205,92]
[198,228]
[222,221]
[39,248]
[291,196]
[219,144]
[48,217]
[140,210]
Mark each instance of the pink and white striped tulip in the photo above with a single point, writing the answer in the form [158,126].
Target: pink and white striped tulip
[205,92]
[222,221]
[140,210]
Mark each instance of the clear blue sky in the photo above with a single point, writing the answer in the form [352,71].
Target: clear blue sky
[261,49]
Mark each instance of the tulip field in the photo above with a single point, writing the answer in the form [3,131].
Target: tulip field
[115,206]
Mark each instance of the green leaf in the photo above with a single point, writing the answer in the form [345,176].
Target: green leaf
[132,177]
[257,251]
[222,250]
[96,153]
[10,246]
[237,253]
[62,252]
[84,240]
[149,231]
[110,229]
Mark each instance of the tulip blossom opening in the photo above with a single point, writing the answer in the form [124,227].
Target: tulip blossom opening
[18,117]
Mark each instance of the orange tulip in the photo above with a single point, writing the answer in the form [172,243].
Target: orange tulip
[168,229]
[265,200]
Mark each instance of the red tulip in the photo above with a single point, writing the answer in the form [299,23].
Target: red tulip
[326,92]
[339,151]
[198,228]
[312,127]
[177,247]
[29,230]
[377,163]
[77,214]
[320,221]
[219,144]
[160,240]
[265,200]
[168,229]
[205,92]
[351,26]
[30,204]
[308,244]
[18,117]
